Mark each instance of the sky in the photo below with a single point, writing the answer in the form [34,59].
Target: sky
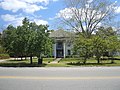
[39,11]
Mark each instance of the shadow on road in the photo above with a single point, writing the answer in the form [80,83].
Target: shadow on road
[21,65]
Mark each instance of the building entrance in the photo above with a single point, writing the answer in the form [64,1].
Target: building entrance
[59,50]
[59,53]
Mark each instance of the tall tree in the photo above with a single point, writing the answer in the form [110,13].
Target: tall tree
[83,47]
[40,41]
[8,38]
[100,46]
[29,39]
[86,15]
[30,48]
[113,47]
[112,39]
[105,41]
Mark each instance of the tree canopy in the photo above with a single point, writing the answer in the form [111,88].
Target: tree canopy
[29,39]
[86,15]
[104,43]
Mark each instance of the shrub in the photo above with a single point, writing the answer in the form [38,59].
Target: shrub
[4,56]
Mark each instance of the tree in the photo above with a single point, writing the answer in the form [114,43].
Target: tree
[8,38]
[112,40]
[113,47]
[104,41]
[40,41]
[86,15]
[48,47]
[29,39]
[106,32]
[83,47]
[99,47]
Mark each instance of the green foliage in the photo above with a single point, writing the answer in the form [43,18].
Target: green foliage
[83,47]
[4,56]
[48,48]
[2,50]
[105,40]
[99,47]
[29,39]
[8,37]
[111,38]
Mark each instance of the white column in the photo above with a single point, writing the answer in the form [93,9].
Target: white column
[64,49]
[55,50]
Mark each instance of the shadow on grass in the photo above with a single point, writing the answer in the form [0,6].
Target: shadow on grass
[109,58]
[21,65]
[18,60]
[88,64]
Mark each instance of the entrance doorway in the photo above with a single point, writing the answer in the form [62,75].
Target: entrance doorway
[59,49]
[59,53]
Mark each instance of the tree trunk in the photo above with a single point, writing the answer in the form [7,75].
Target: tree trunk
[112,60]
[85,59]
[98,60]
[25,57]
[40,60]
[21,58]
[31,60]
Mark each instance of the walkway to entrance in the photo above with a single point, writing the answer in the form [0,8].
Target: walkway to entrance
[56,60]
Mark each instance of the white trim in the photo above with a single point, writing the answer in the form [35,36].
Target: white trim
[55,50]
[64,49]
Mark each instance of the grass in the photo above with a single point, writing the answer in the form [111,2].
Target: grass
[67,62]
[90,62]
[48,60]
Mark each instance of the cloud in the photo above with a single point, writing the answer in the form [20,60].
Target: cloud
[33,8]
[72,12]
[28,6]
[44,2]
[117,10]
[13,5]
[90,1]
[65,13]
[16,20]
[38,22]
[69,13]
[8,17]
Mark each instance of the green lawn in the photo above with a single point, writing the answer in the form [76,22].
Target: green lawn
[90,62]
[67,62]
[25,63]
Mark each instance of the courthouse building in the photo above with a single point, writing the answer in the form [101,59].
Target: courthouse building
[62,46]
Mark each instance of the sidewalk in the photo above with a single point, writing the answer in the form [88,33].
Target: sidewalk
[4,60]
[56,60]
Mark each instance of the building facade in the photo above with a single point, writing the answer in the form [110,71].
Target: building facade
[62,46]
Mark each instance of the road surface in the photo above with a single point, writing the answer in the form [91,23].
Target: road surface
[74,78]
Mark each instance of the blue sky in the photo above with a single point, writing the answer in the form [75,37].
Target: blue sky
[39,11]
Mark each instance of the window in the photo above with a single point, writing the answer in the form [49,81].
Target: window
[69,45]
[59,45]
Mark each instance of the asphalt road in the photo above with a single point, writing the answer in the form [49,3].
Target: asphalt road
[76,78]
